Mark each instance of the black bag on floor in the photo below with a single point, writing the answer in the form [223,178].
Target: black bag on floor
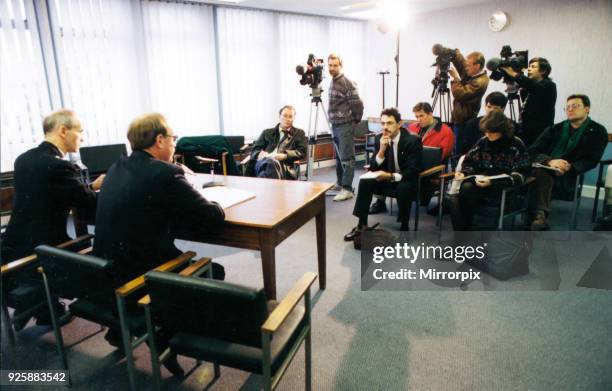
[507,254]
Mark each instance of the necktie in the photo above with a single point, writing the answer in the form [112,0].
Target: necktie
[391,159]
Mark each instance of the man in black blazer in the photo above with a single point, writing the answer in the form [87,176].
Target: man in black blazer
[145,199]
[46,187]
[398,162]
[568,149]
[277,148]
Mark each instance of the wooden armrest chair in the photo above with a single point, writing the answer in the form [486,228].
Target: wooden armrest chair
[513,200]
[88,279]
[229,324]
[33,294]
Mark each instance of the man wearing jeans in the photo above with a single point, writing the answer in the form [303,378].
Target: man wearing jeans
[345,110]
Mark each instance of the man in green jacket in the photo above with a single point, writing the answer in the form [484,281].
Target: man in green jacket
[563,152]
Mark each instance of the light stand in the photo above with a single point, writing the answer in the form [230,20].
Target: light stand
[383,74]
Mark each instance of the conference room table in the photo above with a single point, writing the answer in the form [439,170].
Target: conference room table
[279,208]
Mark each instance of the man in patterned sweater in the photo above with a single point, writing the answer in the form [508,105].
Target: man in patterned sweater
[345,110]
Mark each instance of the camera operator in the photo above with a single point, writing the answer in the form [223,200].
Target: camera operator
[345,110]
[539,94]
[469,84]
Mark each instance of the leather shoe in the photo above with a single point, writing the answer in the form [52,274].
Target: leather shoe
[351,235]
[378,206]
[173,366]
[539,223]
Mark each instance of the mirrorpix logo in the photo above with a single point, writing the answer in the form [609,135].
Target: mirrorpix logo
[522,260]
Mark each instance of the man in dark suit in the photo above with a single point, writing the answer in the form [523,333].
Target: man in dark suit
[565,150]
[398,163]
[46,187]
[277,148]
[145,199]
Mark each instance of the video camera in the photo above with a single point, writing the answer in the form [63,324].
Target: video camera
[516,60]
[312,72]
[444,57]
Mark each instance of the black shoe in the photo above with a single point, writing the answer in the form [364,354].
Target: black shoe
[18,325]
[173,366]
[539,223]
[351,235]
[113,337]
[44,318]
[379,206]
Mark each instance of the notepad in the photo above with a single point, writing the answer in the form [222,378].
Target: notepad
[225,196]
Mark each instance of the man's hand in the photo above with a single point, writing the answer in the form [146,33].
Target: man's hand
[483,182]
[384,177]
[453,73]
[262,155]
[186,169]
[97,184]
[384,144]
[509,71]
[560,164]
[280,156]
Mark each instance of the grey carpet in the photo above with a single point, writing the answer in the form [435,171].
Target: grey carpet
[502,340]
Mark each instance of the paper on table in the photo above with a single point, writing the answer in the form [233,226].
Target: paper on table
[225,196]
[371,175]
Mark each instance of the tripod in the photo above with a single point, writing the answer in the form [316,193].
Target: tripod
[513,96]
[441,94]
[317,104]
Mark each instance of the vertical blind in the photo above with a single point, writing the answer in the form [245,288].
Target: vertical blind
[23,87]
[208,69]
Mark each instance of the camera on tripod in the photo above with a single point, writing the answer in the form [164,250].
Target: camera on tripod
[516,60]
[444,57]
[312,72]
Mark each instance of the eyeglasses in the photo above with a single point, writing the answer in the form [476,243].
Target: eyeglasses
[174,137]
[573,106]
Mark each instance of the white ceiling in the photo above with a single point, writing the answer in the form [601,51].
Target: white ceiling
[363,9]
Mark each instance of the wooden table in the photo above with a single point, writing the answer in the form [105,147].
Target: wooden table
[278,209]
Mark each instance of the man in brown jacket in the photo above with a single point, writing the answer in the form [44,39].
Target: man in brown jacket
[469,84]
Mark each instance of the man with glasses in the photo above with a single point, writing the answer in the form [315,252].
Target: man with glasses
[567,149]
[145,199]
[47,187]
[539,94]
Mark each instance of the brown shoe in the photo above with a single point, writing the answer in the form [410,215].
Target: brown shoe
[539,223]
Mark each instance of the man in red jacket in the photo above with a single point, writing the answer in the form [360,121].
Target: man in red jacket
[433,133]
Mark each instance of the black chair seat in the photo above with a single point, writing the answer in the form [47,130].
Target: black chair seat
[105,315]
[240,356]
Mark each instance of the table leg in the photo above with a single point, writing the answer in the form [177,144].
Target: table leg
[268,263]
[321,246]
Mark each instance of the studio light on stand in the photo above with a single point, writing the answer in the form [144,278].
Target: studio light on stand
[394,18]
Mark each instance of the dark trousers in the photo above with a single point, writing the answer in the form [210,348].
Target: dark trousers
[541,194]
[464,205]
[404,191]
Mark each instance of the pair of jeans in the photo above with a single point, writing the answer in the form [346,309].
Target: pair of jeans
[345,154]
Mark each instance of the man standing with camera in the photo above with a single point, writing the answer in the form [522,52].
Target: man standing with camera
[539,94]
[345,110]
[469,84]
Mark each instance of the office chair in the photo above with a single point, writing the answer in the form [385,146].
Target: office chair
[229,324]
[29,295]
[89,280]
